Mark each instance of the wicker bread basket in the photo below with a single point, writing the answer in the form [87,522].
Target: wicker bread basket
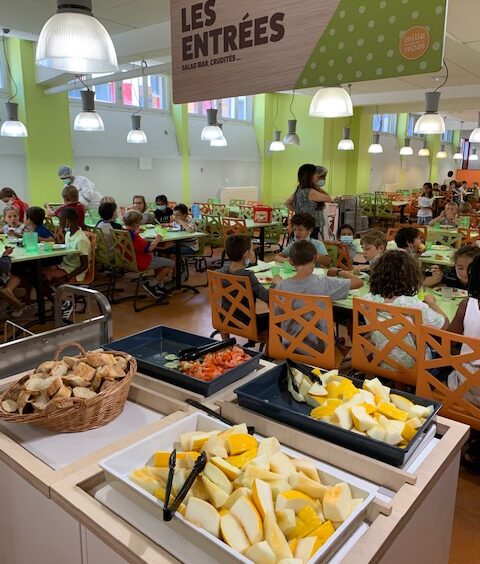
[71,415]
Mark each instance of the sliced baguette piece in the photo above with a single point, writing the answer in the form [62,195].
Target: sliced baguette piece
[84,393]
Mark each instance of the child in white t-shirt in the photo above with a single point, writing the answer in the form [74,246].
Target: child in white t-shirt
[425,205]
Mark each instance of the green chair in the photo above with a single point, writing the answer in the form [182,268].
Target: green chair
[367,204]
[383,208]
[127,261]
[332,252]
[274,235]
[219,209]
[246,212]
[438,237]
[213,227]
[237,203]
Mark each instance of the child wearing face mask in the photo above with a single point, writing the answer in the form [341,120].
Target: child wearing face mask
[162,212]
[239,251]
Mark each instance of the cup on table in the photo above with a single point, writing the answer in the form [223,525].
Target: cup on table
[447,293]
[288,268]
[30,242]
[275,270]
[48,246]
[429,245]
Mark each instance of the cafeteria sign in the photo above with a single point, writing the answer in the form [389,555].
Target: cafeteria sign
[223,48]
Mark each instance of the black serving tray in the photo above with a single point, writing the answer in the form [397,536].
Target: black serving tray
[268,394]
[148,346]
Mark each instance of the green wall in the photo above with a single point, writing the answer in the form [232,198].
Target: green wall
[47,120]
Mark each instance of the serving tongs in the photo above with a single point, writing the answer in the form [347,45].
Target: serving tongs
[193,353]
[169,510]
[215,415]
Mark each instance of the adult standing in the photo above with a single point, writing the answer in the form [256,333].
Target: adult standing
[88,195]
[309,197]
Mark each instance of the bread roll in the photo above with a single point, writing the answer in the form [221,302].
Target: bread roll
[85,371]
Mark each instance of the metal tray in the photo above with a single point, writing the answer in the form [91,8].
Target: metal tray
[147,347]
[268,394]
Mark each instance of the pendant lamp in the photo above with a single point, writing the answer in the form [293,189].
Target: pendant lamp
[375,148]
[424,151]
[74,41]
[331,102]
[473,155]
[458,155]
[346,144]
[211,132]
[406,150]
[442,154]
[292,138]
[475,135]
[136,135]
[88,119]
[431,122]
[13,127]
[219,142]
[277,144]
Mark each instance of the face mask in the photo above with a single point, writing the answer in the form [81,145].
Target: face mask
[346,238]
[161,208]
[66,181]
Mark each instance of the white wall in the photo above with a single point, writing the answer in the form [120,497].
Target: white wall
[12,161]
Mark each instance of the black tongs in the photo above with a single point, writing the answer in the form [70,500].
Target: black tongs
[169,511]
[193,353]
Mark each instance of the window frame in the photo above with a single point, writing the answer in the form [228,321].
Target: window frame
[216,104]
[412,120]
[390,119]
[447,137]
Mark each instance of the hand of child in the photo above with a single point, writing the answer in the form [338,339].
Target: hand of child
[276,279]
[158,239]
[8,251]
[437,274]
[332,272]
[11,233]
[430,300]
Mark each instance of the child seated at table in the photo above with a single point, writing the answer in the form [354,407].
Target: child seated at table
[163,214]
[448,217]
[146,260]
[240,253]
[337,284]
[303,225]
[13,227]
[467,322]
[346,234]
[10,198]
[374,244]
[108,214]
[186,223]
[396,280]
[70,200]
[425,205]
[34,218]
[9,282]
[457,277]
[408,239]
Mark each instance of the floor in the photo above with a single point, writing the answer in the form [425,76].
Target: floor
[191,313]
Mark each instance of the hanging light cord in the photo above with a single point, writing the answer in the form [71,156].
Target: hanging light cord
[9,71]
[80,78]
[446,77]
[275,118]
[350,93]
[144,66]
[291,105]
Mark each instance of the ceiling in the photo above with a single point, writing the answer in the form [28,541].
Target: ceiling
[140,28]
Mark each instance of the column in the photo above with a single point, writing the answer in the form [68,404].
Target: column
[180,121]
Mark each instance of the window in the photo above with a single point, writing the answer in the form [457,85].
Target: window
[385,123]
[447,137]
[239,108]
[412,120]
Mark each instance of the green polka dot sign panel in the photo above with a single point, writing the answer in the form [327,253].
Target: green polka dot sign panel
[222,48]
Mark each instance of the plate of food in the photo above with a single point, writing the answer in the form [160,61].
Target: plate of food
[456,293]
[265,279]
[174,228]
[441,248]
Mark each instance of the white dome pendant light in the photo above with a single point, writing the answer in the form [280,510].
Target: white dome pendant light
[424,151]
[406,150]
[292,138]
[12,126]
[136,135]
[331,102]
[74,41]
[458,155]
[220,142]
[346,144]
[277,144]
[375,148]
[475,135]
[211,132]
[431,122]
[442,154]
[88,119]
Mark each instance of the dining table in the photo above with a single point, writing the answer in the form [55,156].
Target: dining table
[250,224]
[36,258]
[402,204]
[174,235]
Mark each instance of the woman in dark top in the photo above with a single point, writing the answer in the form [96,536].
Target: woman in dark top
[163,214]
[309,196]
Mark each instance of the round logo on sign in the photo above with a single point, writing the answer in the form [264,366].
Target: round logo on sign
[415,43]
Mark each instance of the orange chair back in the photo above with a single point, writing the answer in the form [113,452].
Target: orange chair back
[469,236]
[313,338]
[342,254]
[233,305]
[379,329]
[204,207]
[455,406]
[233,226]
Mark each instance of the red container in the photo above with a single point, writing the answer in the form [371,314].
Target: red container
[262,214]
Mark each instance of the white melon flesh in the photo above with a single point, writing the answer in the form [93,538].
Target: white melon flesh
[275,538]
[245,492]
[344,418]
[337,502]
[307,467]
[281,464]
[216,476]
[233,534]
[361,419]
[261,553]
[262,497]
[286,519]
[304,548]
[376,432]
[402,403]
[248,516]
[303,484]
[268,447]
[216,495]
[203,514]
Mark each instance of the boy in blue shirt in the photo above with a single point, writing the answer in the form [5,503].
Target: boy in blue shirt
[34,218]
[303,225]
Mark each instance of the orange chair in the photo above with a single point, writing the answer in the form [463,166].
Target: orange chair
[396,328]
[254,203]
[204,207]
[314,341]
[230,295]
[340,255]
[469,236]
[234,226]
[455,406]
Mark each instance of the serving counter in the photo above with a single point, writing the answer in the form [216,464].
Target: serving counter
[59,506]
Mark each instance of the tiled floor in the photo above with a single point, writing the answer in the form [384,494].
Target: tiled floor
[191,312]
